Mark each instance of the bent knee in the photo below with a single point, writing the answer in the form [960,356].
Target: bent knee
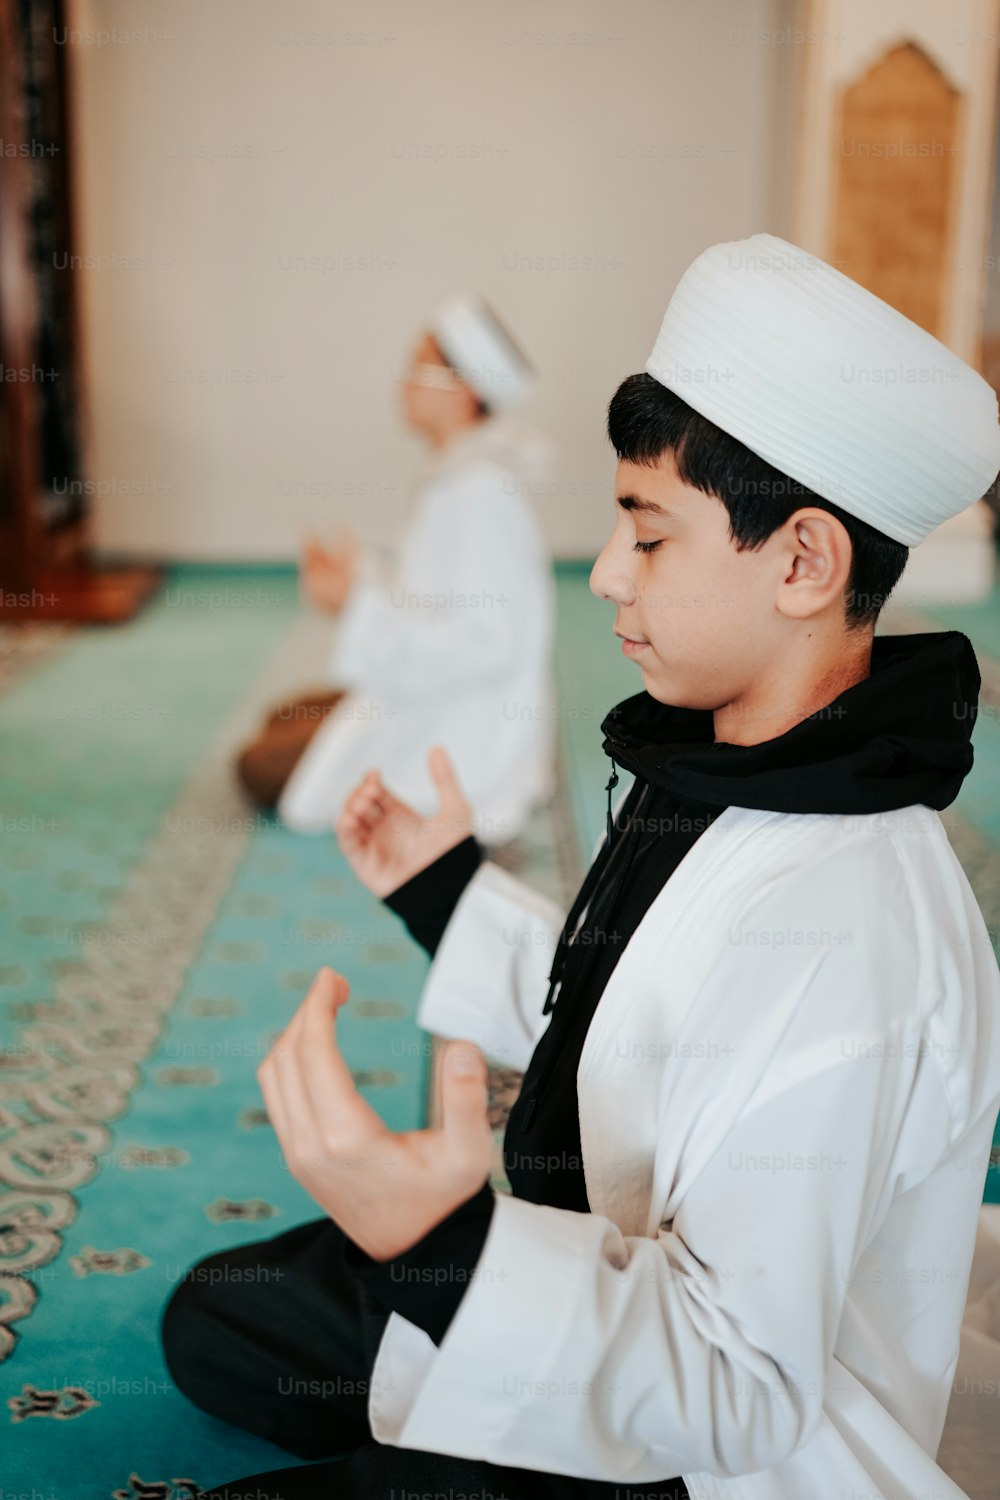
[190,1330]
[262,771]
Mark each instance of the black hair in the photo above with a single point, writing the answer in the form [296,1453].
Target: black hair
[645,420]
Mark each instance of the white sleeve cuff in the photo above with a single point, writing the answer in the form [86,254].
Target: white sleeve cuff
[488,981]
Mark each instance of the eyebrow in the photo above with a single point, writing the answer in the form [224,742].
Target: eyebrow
[635,502]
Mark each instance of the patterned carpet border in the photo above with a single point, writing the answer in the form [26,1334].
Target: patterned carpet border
[72,1069]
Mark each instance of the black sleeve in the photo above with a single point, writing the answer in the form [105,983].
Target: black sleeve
[427,1282]
[427,900]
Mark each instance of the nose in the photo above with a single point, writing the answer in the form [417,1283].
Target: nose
[611,575]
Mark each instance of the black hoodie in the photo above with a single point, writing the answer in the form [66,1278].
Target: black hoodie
[900,737]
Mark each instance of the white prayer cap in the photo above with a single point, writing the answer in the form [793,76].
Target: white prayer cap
[475,342]
[829,384]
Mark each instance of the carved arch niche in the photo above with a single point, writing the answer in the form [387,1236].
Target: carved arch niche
[897,142]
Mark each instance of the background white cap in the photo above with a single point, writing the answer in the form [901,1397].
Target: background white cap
[472,338]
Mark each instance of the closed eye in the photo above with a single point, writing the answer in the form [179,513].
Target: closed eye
[646,546]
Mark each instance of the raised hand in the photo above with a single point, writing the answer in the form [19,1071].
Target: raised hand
[386,842]
[328,576]
[385,1190]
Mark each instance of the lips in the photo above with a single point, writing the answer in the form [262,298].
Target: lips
[631,646]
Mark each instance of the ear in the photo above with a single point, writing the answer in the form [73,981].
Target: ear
[819,552]
[470,401]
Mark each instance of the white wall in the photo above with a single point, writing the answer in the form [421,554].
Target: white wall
[451,142]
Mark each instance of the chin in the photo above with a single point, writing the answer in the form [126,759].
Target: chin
[662,691]
[674,695]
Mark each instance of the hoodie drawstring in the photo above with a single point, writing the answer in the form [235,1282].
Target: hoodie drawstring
[612,783]
[595,885]
[590,882]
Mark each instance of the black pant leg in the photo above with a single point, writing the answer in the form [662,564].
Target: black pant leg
[382,1472]
[277,1337]
[377,1472]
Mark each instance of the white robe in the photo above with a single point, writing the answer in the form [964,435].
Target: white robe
[455,650]
[787,1096]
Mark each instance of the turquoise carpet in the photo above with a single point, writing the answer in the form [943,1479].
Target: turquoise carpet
[155,936]
[136,892]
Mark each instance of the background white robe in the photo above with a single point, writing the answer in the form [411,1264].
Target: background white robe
[454,650]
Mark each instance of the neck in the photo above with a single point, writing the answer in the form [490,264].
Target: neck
[445,431]
[793,689]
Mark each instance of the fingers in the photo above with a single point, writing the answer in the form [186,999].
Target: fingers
[311,1096]
[453,798]
[441,767]
[370,801]
[287,1105]
[325,1076]
[365,806]
[464,1061]
[270,1087]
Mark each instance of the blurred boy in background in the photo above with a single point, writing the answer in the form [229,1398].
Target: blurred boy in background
[455,647]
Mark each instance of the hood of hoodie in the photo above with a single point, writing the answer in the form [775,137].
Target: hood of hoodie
[900,737]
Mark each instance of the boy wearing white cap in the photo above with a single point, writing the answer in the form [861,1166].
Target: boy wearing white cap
[456,644]
[762,1052]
